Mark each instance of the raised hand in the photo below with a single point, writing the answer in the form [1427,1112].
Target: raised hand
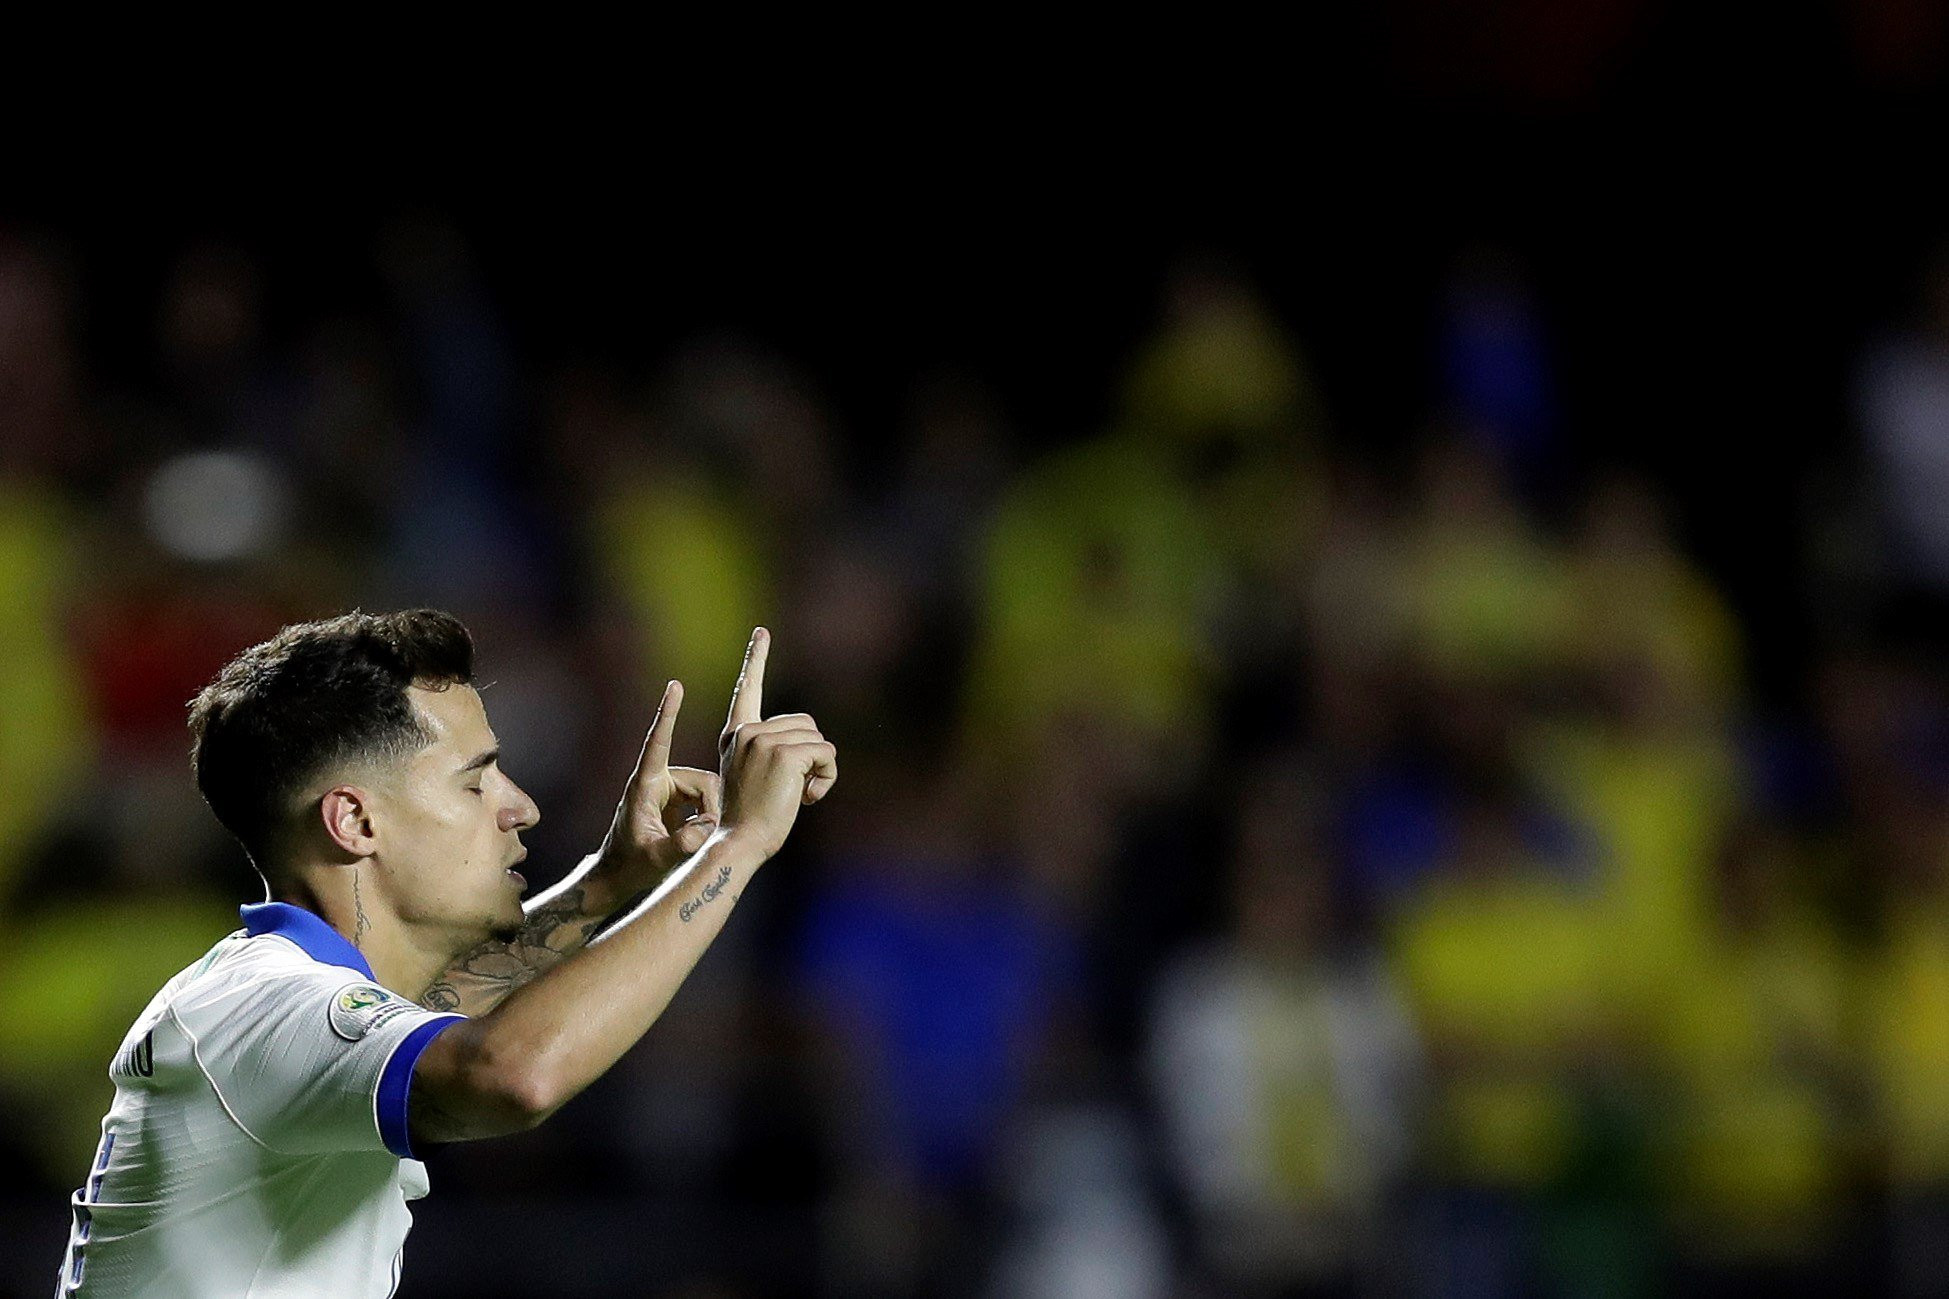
[771,766]
[666,812]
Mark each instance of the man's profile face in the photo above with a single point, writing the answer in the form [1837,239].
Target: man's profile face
[449,823]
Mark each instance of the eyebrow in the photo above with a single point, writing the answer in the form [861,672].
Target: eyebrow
[492,755]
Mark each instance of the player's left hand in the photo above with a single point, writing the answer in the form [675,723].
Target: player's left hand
[666,812]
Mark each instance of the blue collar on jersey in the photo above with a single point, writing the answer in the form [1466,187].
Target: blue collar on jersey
[320,941]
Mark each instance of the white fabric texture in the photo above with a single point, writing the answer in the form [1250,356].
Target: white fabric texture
[243,1152]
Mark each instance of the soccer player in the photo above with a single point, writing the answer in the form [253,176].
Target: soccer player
[394,993]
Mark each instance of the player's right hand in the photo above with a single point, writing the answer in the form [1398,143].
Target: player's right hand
[771,766]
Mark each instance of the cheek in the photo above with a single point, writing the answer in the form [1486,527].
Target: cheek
[463,815]
[443,838]
[445,829]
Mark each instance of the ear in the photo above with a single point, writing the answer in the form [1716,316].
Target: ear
[346,811]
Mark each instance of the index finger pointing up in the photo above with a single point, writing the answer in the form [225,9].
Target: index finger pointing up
[748,696]
[656,745]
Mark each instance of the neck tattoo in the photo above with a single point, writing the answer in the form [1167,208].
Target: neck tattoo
[358,908]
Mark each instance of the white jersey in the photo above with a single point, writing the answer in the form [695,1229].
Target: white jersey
[257,1143]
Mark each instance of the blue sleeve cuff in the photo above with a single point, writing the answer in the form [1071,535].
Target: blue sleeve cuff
[396,1082]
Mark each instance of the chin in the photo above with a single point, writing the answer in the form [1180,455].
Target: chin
[507,925]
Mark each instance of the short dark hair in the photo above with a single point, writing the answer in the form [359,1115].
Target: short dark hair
[315,694]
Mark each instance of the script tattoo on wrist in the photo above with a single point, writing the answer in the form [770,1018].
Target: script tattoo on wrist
[711,890]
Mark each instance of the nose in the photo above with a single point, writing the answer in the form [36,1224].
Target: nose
[520,811]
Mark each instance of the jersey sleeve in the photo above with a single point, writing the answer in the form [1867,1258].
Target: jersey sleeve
[314,1062]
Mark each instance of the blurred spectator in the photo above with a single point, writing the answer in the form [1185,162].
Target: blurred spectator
[345,474]
[938,974]
[854,622]
[1905,825]
[1762,1137]
[689,564]
[1282,1061]
[45,742]
[48,435]
[221,384]
[459,531]
[958,455]
[1638,603]
[1645,761]
[1506,959]
[1353,602]
[75,974]
[1221,380]
[1100,587]
[1464,643]
[761,427]
[1221,399]
[1902,404]
[1086,1228]
[1495,375]
[1487,595]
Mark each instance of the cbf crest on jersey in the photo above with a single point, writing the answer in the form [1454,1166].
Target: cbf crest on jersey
[358,1008]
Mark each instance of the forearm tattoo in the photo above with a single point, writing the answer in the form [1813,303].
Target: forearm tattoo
[479,980]
[711,890]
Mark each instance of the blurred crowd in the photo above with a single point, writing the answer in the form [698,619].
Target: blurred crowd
[1265,866]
